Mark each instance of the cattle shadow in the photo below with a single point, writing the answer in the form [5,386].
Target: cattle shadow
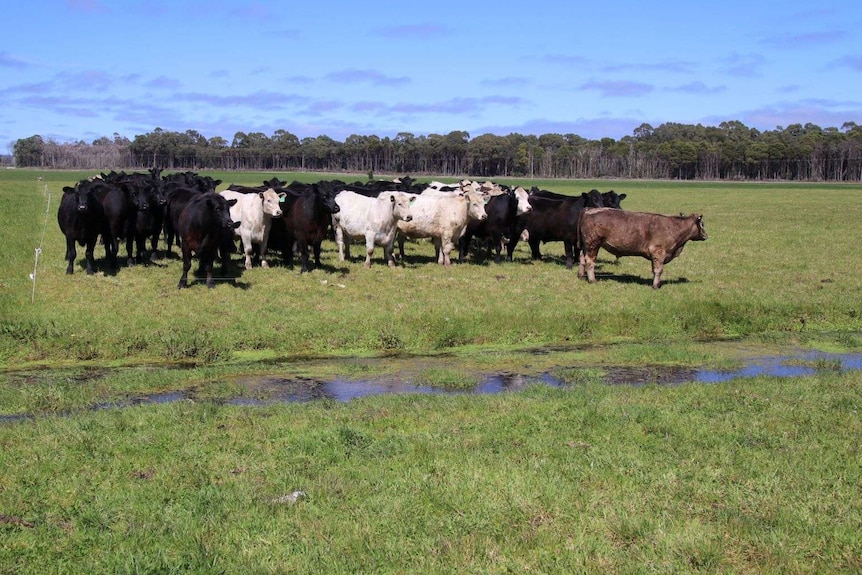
[224,277]
[637,280]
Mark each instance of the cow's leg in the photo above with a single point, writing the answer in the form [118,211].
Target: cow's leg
[657,268]
[389,252]
[339,241]
[90,256]
[264,245]
[464,246]
[71,254]
[400,240]
[590,263]
[141,246]
[446,246]
[369,250]
[187,265]
[513,243]
[303,251]
[207,265]
[581,264]
[570,254]
[316,246]
[534,248]
[130,240]
[498,247]
[246,250]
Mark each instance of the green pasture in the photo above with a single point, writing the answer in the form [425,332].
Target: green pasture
[781,265]
[759,475]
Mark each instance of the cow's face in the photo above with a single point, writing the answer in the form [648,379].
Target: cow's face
[221,210]
[476,206]
[593,199]
[271,203]
[81,195]
[138,196]
[701,231]
[401,204]
[612,199]
[156,189]
[523,199]
[328,201]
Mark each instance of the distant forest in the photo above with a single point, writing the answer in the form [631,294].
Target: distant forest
[729,151]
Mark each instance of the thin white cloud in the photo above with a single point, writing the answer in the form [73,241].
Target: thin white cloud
[618,88]
[373,77]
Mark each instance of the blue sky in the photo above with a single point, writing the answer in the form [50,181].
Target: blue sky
[82,69]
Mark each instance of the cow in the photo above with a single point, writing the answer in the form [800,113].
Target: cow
[373,219]
[443,217]
[655,237]
[121,203]
[503,211]
[307,217]
[553,220]
[254,211]
[82,219]
[205,227]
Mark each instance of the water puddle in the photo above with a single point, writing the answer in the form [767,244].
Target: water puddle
[271,389]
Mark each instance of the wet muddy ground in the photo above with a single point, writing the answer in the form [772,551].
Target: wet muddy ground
[274,388]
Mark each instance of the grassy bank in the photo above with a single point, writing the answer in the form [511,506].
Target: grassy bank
[755,476]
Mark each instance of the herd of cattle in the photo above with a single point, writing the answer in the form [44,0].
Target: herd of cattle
[185,207]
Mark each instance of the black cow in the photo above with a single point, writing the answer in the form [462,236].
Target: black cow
[121,202]
[82,220]
[205,228]
[554,220]
[499,227]
[307,217]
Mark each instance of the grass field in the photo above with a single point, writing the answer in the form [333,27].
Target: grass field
[760,475]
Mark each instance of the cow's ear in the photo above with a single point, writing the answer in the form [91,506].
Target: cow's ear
[260,195]
[232,202]
[68,190]
[622,197]
[392,199]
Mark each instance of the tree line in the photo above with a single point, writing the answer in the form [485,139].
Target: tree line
[729,151]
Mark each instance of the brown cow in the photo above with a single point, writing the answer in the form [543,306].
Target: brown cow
[655,237]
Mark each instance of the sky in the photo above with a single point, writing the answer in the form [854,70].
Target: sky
[75,70]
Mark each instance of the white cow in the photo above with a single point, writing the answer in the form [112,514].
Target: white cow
[443,217]
[254,211]
[373,219]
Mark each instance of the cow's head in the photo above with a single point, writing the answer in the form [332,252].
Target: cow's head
[612,199]
[220,207]
[271,202]
[701,231]
[137,195]
[593,199]
[327,197]
[476,205]
[523,198]
[402,204]
[81,194]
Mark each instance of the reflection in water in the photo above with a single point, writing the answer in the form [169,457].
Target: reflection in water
[273,389]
